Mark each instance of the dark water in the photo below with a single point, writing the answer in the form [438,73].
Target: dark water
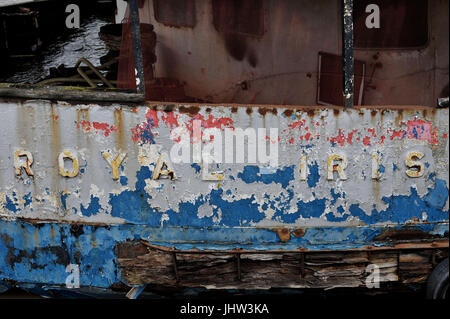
[64,48]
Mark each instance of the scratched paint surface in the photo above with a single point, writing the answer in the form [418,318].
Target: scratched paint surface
[242,210]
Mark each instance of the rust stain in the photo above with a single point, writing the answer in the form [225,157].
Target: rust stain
[118,123]
[55,134]
[373,113]
[234,109]
[288,113]
[299,232]
[193,110]
[168,108]
[263,111]
[310,112]
[249,110]
[399,118]
[283,233]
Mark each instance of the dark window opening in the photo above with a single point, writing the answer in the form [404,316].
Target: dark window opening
[403,24]
[176,13]
[239,16]
[329,87]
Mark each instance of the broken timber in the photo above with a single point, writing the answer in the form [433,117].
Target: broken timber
[141,264]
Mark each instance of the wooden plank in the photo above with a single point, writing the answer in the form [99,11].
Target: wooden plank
[68,94]
[262,271]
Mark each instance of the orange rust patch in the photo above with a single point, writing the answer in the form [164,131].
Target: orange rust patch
[262,111]
[310,113]
[118,122]
[192,110]
[299,232]
[283,233]
[288,113]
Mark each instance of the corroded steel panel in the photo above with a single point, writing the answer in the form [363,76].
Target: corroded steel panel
[76,180]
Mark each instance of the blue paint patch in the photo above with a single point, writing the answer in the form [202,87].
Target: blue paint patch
[28,199]
[403,208]
[313,176]
[251,174]
[331,217]
[313,209]
[395,167]
[196,167]
[93,208]
[335,196]
[10,205]
[63,199]
[437,196]
[381,169]
[123,180]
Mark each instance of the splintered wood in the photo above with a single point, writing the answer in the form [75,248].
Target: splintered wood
[141,264]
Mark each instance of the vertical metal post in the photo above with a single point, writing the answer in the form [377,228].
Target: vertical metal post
[347,52]
[137,47]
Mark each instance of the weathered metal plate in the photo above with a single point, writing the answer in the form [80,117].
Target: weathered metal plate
[340,179]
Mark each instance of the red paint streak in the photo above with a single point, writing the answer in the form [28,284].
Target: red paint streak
[105,128]
[366,141]
[298,124]
[307,136]
[170,119]
[154,119]
[445,136]
[382,138]
[211,122]
[400,134]
[291,141]
[372,130]
[421,130]
[350,136]
[340,139]
[295,124]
